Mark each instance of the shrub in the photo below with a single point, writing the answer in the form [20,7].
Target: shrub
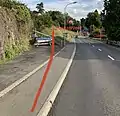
[23,13]
[91,35]
[9,3]
[96,32]
[12,50]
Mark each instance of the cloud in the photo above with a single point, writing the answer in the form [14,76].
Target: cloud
[79,10]
[30,3]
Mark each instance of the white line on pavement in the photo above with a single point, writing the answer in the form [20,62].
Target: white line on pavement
[18,82]
[50,100]
[111,57]
[100,50]
[79,41]
[93,46]
[82,41]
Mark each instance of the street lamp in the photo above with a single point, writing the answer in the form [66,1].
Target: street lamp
[65,16]
[80,27]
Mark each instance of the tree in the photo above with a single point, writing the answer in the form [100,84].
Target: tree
[42,21]
[111,19]
[40,7]
[57,18]
[93,20]
[87,24]
[83,22]
[97,19]
[10,3]
[48,18]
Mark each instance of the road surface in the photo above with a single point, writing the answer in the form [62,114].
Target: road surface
[23,64]
[92,86]
[19,100]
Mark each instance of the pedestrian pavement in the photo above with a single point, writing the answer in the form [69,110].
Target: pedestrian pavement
[23,64]
[18,102]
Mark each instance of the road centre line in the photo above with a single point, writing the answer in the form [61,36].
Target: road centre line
[100,50]
[111,57]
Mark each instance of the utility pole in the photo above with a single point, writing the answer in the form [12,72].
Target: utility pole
[65,17]
[80,27]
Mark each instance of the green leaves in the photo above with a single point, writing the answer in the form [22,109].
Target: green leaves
[111,20]
[23,13]
[93,20]
[40,7]
[57,17]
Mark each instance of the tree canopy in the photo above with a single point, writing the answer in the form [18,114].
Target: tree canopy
[49,18]
[40,7]
[111,19]
[93,20]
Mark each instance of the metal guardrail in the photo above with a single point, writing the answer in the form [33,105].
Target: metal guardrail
[116,43]
[42,33]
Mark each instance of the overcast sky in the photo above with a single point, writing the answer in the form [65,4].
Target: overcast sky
[78,10]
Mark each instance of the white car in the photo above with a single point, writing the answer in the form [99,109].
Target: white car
[43,41]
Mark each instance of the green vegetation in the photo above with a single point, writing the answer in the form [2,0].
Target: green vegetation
[12,50]
[111,19]
[44,19]
[26,21]
[92,21]
[96,31]
[22,13]
[17,42]
[9,3]
[40,7]
[58,33]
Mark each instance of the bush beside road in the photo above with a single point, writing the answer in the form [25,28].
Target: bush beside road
[59,35]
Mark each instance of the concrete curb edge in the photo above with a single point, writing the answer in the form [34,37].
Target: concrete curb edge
[21,80]
[50,100]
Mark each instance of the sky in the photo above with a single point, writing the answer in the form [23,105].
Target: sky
[77,11]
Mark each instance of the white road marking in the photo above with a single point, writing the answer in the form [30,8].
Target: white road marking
[21,80]
[100,50]
[85,41]
[91,42]
[111,57]
[80,41]
[93,46]
[51,98]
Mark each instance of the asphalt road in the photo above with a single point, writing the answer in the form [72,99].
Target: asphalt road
[92,86]
[23,64]
[18,101]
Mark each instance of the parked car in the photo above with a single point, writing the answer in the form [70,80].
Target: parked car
[43,41]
